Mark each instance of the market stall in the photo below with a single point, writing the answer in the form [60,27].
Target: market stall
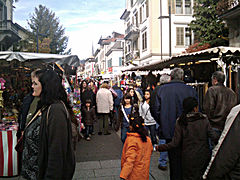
[15,83]
[199,66]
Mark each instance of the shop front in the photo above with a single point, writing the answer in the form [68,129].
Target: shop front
[15,84]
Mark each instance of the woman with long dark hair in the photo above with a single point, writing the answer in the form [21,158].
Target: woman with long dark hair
[136,153]
[191,133]
[48,137]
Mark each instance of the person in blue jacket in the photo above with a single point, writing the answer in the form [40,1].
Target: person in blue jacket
[167,108]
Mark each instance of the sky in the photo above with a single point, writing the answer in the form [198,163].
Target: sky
[85,21]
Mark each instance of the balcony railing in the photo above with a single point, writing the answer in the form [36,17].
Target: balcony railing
[8,25]
[131,28]
[225,5]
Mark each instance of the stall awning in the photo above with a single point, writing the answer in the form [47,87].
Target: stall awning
[71,60]
[207,54]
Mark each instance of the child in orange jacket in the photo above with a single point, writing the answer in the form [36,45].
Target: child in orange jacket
[136,153]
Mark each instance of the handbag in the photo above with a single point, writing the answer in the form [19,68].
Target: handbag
[19,145]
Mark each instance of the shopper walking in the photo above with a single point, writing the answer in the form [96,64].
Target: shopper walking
[126,111]
[218,102]
[136,153]
[144,112]
[48,150]
[104,101]
[167,108]
[88,118]
[191,134]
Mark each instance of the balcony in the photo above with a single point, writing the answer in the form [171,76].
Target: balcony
[132,33]
[226,5]
[131,56]
[8,34]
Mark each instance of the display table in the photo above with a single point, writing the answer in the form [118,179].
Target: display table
[8,154]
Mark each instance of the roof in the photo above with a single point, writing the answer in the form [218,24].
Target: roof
[207,54]
[116,46]
[40,58]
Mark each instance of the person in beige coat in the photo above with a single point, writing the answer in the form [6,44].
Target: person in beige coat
[104,100]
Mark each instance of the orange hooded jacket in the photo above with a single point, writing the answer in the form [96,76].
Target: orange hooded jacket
[136,156]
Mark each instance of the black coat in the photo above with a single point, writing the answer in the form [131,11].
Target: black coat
[27,100]
[88,117]
[56,155]
[193,140]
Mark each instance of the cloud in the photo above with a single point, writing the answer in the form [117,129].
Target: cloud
[85,21]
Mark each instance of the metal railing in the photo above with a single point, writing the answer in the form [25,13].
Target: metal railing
[8,25]
[131,28]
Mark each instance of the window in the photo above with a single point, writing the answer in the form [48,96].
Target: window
[144,13]
[188,7]
[120,61]
[131,3]
[144,41]
[136,19]
[188,36]
[180,36]
[141,14]
[184,36]
[110,63]
[179,7]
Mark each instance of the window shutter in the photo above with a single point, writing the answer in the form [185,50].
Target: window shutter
[140,14]
[147,8]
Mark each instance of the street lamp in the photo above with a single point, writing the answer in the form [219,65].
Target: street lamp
[37,33]
[170,27]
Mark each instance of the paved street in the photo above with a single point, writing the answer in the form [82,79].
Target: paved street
[99,159]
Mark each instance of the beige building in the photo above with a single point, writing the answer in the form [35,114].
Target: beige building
[147,26]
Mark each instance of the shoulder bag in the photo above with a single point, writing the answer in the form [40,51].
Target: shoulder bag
[19,145]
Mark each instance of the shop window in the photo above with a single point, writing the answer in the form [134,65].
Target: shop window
[144,41]
[180,36]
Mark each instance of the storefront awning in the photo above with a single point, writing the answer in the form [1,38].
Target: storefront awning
[71,60]
[211,54]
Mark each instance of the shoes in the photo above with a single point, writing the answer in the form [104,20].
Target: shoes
[89,135]
[163,168]
[88,138]
[107,133]
[99,133]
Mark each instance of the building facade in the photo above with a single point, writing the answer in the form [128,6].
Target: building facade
[109,56]
[8,30]
[156,29]
[231,14]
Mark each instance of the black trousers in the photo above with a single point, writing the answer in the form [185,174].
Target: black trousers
[175,163]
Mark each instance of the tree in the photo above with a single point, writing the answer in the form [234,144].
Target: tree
[208,27]
[44,24]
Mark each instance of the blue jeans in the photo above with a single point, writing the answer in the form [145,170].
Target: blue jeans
[162,161]
[124,131]
[89,130]
[152,129]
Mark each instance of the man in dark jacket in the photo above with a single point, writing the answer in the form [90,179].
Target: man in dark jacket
[167,108]
[218,101]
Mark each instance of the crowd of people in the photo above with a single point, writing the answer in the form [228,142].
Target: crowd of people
[161,114]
